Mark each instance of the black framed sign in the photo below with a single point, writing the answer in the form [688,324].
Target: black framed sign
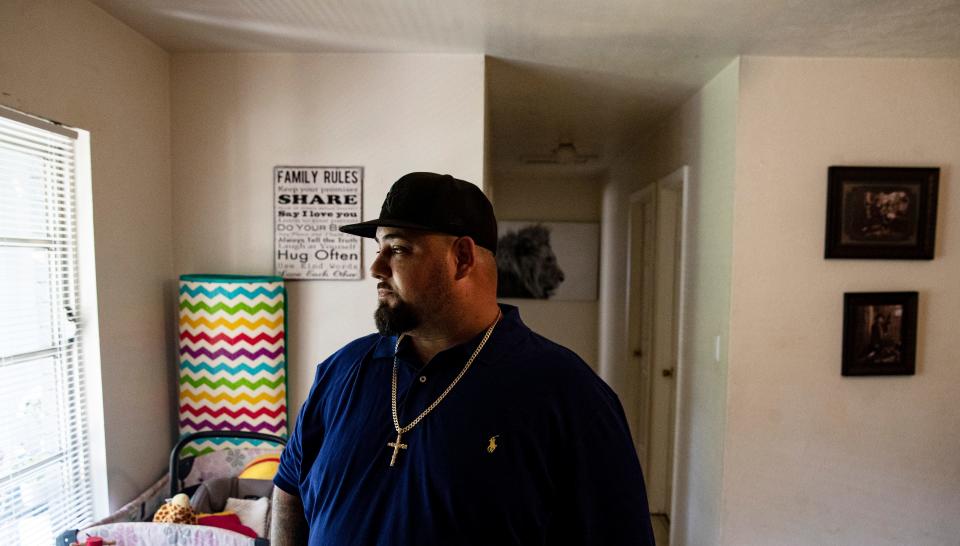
[310,205]
[881,212]
[879,333]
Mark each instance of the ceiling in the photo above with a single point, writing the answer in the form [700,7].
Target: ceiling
[599,73]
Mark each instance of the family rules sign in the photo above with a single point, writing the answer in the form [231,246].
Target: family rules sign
[310,204]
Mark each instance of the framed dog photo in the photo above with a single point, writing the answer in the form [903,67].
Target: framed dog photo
[879,333]
[881,212]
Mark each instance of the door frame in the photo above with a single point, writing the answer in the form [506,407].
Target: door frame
[641,378]
[676,181]
[679,181]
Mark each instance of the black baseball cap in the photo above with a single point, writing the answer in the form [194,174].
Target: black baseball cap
[435,202]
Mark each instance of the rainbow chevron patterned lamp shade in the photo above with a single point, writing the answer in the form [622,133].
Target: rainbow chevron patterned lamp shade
[233,372]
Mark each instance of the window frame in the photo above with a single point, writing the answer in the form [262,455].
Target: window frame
[87,314]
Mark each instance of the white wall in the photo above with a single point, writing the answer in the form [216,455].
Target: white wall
[69,61]
[554,198]
[700,134]
[236,116]
[813,457]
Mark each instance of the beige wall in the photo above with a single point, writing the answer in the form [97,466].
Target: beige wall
[813,457]
[700,134]
[554,198]
[69,61]
[236,116]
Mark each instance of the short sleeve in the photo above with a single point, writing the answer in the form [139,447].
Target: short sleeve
[288,473]
[308,433]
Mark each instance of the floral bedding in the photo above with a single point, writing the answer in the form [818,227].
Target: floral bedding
[165,534]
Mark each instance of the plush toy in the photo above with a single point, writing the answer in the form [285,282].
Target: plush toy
[176,510]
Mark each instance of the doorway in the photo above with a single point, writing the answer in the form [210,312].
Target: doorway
[655,326]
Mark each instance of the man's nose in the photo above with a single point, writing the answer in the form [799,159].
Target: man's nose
[379,269]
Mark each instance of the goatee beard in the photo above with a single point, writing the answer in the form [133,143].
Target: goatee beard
[393,321]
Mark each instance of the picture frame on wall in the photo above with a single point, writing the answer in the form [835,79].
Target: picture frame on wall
[556,261]
[881,212]
[879,333]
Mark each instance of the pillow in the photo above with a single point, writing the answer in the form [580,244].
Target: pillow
[252,513]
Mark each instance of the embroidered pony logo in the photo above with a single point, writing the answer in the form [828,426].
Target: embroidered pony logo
[492,446]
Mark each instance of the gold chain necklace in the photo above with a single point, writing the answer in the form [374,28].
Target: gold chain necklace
[397,445]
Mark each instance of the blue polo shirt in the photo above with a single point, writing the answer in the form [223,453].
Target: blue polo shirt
[530,448]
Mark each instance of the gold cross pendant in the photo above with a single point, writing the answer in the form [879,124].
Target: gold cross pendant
[397,446]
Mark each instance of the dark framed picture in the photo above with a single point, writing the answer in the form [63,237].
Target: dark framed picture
[881,212]
[879,333]
[548,260]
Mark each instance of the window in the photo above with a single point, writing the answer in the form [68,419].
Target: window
[45,461]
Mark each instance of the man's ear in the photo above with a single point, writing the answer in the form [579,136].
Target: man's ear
[465,254]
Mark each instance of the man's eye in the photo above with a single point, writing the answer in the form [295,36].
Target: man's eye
[397,249]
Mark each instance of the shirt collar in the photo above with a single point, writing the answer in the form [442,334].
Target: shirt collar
[508,332]
[506,336]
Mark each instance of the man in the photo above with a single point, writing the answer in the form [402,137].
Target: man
[455,424]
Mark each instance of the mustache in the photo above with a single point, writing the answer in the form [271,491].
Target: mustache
[383,285]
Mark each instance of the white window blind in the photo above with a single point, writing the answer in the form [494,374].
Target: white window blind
[44,453]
